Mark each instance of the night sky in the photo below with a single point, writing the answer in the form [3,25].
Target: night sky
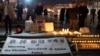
[53,2]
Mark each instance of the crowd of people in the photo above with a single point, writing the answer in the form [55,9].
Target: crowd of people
[7,13]
[75,15]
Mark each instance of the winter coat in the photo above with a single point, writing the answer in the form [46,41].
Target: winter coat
[11,11]
[2,8]
[73,12]
[83,10]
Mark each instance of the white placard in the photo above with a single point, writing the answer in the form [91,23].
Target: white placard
[57,45]
[28,24]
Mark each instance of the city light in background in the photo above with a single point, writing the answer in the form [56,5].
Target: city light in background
[3,0]
[28,1]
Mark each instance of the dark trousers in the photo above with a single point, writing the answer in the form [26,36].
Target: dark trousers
[92,19]
[82,21]
[8,24]
[98,19]
[0,17]
[19,16]
[98,26]
[28,16]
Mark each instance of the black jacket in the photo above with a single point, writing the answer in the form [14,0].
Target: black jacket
[83,10]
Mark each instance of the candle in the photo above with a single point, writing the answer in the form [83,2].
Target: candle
[76,32]
[70,33]
[67,30]
[55,33]
[98,35]
[61,32]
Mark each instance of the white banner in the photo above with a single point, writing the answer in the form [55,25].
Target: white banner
[57,45]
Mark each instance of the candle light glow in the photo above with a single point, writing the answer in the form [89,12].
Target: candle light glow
[66,32]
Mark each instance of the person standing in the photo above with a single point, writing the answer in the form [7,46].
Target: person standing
[98,26]
[31,13]
[19,11]
[67,16]
[72,14]
[62,14]
[55,12]
[39,10]
[8,14]
[1,10]
[83,11]
[25,9]
[45,13]
[92,15]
